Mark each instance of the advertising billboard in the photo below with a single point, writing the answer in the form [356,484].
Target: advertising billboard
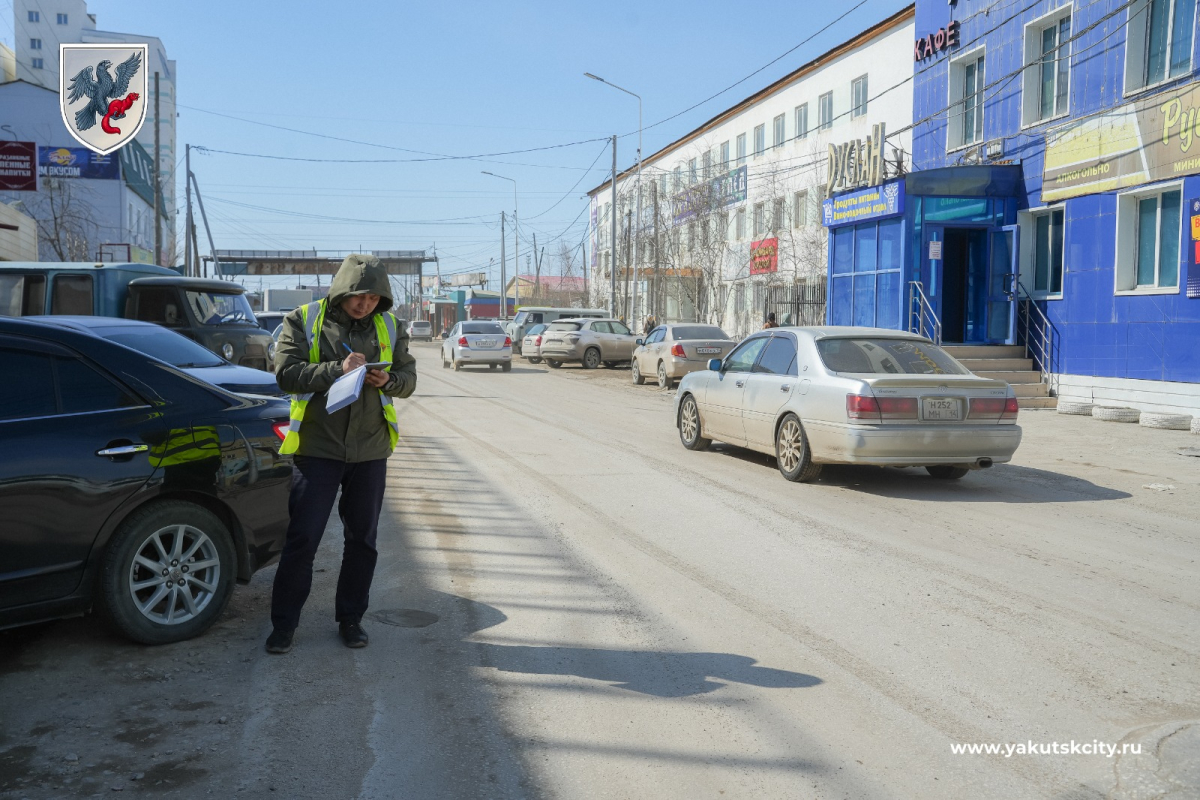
[764,256]
[18,166]
[76,162]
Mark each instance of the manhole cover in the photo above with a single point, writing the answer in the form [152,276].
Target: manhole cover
[404,617]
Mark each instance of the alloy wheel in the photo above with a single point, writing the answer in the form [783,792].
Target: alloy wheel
[174,574]
[791,445]
[689,420]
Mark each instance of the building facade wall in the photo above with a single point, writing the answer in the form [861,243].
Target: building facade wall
[708,277]
[18,235]
[1107,334]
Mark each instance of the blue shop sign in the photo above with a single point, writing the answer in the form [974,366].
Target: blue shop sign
[76,162]
[864,205]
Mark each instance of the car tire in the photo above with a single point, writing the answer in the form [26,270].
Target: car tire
[491,366]
[664,382]
[552,364]
[127,587]
[688,423]
[638,378]
[591,358]
[507,367]
[534,360]
[946,472]
[457,366]
[792,453]
[445,363]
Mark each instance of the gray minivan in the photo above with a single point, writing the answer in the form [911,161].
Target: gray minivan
[528,316]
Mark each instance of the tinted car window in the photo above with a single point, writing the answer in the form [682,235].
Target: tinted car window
[887,356]
[682,332]
[160,305]
[169,347]
[82,389]
[72,295]
[34,373]
[599,327]
[779,358]
[474,328]
[743,358]
[656,336]
[535,330]
[564,326]
[535,318]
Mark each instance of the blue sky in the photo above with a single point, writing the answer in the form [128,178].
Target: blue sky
[447,78]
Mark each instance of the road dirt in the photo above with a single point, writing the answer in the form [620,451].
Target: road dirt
[569,604]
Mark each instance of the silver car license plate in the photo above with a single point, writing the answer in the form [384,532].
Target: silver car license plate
[485,342]
[708,349]
[941,408]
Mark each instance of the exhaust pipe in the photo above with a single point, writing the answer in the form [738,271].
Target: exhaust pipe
[983,463]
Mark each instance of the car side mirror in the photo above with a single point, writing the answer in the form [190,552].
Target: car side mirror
[638,342]
[714,364]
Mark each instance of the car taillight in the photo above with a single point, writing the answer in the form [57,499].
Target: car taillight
[537,341]
[897,407]
[862,406]
[508,341]
[281,429]
[993,408]
[677,351]
[462,342]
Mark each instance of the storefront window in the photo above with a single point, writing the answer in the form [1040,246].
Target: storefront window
[1048,253]
[843,250]
[866,250]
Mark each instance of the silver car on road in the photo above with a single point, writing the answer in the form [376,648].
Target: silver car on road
[591,342]
[671,351]
[477,343]
[531,345]
[814,396]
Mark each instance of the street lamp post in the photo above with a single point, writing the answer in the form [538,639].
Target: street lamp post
[516,255]
[633,310]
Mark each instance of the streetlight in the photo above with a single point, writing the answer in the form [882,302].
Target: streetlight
[633,310]
[516,255]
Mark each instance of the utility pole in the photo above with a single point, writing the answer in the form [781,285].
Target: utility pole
[628,266]
[612,243]
[587,297]
[503,291]
[189,268]
[537,269]
[657,247]
[158,248]
[212,247]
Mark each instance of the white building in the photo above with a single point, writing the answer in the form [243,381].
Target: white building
[751,181]
[40,27]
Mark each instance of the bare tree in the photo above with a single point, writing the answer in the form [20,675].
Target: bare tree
[66,230]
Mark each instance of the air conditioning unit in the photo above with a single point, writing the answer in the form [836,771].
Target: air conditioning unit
[994,149]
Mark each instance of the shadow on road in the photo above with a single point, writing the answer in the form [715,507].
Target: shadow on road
[1003,483]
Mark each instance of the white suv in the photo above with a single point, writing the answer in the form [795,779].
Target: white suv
[420,329]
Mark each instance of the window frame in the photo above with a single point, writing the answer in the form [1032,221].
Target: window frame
[62,19]
[1127,241]
[800,209]
[746,344]
[724,155]
[760,140]
[778,216]
[739,224]
[824,124]
[37,63]
[1137,27]
[793,366]
[956,99]
[801,121]
[779,130]
[858,105]
[1027,221]
[35,43]
[35,16]
[760,219]
[1031,78]
[741,149]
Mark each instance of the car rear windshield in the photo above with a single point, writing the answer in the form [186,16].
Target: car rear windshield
[887,356]
[481,327]
[166,346]
[564,326]
[420,324]
[683,332]
[535,330]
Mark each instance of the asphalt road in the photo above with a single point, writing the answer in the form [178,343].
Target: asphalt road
[569,604]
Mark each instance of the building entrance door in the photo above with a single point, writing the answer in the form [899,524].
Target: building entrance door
[964,272]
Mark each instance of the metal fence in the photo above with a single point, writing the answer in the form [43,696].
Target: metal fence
[801,304]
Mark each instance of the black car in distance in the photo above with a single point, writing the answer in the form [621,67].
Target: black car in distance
[129,487]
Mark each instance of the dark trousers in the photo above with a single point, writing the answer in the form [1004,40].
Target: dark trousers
[315,484]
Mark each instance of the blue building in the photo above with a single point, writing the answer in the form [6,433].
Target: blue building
[1053,199]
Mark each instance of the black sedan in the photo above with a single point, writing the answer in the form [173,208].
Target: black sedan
[129,487]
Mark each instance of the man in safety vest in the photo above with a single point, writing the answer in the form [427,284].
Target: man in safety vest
[347,449]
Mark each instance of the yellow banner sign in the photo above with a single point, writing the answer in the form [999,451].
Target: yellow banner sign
[1150,140]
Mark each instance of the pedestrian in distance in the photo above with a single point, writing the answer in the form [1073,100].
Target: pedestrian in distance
[770,322]
[649,325]
[347,449]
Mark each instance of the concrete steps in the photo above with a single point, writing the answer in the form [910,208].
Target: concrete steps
[1007,363]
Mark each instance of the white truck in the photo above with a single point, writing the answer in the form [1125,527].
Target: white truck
[285,299]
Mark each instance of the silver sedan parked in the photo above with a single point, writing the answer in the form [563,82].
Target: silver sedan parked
[814,396]
[672,351]
[531,345]
[477,343]
[591,342]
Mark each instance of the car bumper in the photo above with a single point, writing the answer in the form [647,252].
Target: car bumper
[485,356]
[678,367]
[560,353]
[912,446]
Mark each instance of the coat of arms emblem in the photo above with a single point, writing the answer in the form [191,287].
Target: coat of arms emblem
[102,93]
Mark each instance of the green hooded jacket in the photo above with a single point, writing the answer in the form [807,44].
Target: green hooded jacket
[357,432]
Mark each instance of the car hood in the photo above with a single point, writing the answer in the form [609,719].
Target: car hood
[242,380]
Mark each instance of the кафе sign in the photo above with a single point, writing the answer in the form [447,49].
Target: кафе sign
[1142,142]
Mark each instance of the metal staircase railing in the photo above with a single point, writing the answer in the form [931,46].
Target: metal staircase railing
[921,317]
[1037,334]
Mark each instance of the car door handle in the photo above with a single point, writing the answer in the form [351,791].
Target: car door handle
[123,450]
[787,387]
[739,384]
